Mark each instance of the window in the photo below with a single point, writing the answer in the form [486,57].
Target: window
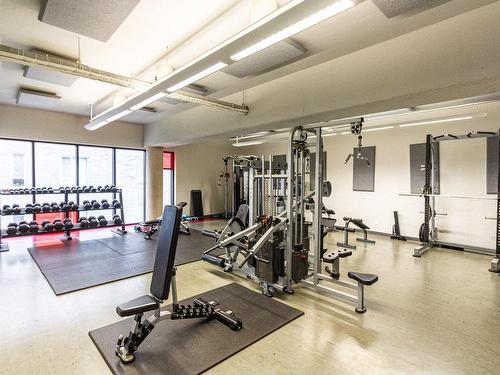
[55,165]
[15,172]
[130,178]
[68,170]
[18,169]
[168,178]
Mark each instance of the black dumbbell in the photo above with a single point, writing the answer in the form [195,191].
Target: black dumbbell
[87,205]
[79,189]
[46,207]
[86,189]
[93,189]
[32,190]
[55,207]
[58,225]
[84,223]
[29,208]
[113,189]
[50,190]
[102,221]
[68,224]
[117,219]
[107,189]
[73,206]
[6,209]
[116,203]
[95,204]
[74,189]
[93,222]
[34,227]
[16,210]
[48,227]
[12,229]
[104,203]
[37,208]
[23,227]
[99,188]
[44,222]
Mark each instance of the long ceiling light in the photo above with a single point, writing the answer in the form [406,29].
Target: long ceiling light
[204,73]
[436,121]
[107,121]
[375,129]
[291,30]
[149,100]
[249,143]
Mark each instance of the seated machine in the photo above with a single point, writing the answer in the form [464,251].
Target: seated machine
[234,225]
[346,229]
[150,227]
[162,282]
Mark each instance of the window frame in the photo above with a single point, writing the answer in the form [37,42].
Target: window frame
[76,158]
[172,171]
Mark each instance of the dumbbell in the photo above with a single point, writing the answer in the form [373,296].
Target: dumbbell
[50,191]
[29,208]
[107,189]
[79,189]
[68,224]
[93,189]
[37,208]
[12,229]
[74,189]
[58,225]
[32,190]
[102,221]
[104,203]
[55,207]
[93,222]
[117,219]
[63,206]
[86,189]
[34,227]
[23,227]
[46,207]
[16,210]
[113,188]
[84,223]
[95,204]
[116,203]
[99,188]
[48,226]
[73,206]
[6,209]
[87,205]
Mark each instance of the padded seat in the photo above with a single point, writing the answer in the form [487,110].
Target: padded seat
[363,278]
[152,222]
[137,306]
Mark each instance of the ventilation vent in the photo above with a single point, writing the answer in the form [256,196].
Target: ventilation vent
[36,99]
[270,58]
[393,8]
[50,76]
[96,19]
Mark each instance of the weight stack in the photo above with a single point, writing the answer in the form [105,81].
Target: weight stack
[300,264]
[275,254]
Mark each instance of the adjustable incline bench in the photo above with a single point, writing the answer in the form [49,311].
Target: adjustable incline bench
[162,282]
[346,229]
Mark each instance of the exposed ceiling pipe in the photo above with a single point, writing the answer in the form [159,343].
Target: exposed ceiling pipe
[51,62]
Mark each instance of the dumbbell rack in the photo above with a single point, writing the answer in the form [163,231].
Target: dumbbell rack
[67,232]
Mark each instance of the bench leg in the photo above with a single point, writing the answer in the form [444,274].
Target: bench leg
[360,308]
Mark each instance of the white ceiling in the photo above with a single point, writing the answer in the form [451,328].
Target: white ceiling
[175,32]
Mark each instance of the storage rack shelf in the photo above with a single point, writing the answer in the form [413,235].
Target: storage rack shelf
[117,194]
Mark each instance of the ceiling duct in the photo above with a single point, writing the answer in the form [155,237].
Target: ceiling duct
[393,8]
[36,99]
[50,76]
[277,55]
[96,19]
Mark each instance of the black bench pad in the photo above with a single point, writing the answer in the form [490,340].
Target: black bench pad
[363,278]
[137,305]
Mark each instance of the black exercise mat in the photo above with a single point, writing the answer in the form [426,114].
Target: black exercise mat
[193,346]
[189,246]
[74,265]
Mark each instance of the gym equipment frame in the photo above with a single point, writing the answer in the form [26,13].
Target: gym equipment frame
[428,232]
[278,249]
[162,283]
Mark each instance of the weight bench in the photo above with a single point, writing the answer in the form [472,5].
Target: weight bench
[163,281]
[346,229]
[150,227]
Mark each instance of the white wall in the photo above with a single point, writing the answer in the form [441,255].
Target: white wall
[197,167]
[463,171]
[35,124]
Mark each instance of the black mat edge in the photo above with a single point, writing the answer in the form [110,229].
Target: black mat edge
[300,313]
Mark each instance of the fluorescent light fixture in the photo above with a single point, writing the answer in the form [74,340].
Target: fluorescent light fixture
[436,121]
[375,129]
[330,11]
[197,76]
[107,121]
[96,126]
[329,134]
[250,143]
[149,100]
[344,133]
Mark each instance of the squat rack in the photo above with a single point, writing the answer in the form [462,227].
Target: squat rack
[429,234]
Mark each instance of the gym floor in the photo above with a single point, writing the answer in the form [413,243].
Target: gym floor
[439,314]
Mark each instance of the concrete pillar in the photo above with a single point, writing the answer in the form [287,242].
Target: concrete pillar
[154,182]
